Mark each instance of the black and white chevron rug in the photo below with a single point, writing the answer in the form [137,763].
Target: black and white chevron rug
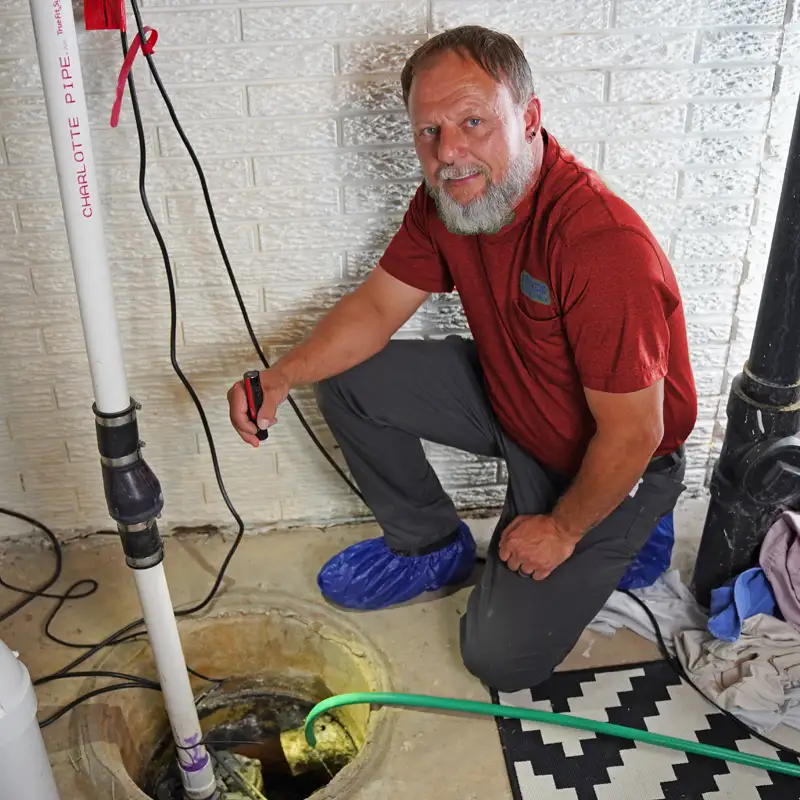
[545,762]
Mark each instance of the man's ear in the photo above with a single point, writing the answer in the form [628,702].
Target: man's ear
[533,117]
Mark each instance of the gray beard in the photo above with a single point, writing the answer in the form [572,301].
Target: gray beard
[494,209]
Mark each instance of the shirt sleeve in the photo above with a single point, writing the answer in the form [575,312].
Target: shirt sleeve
[412,256]
[616,305]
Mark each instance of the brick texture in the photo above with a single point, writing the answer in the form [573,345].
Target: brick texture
[684,107]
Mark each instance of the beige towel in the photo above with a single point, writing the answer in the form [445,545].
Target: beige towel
[754,673]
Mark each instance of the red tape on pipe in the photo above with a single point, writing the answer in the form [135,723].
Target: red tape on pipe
[127,64]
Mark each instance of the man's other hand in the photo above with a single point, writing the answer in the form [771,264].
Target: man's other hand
[275,390]
[535,546]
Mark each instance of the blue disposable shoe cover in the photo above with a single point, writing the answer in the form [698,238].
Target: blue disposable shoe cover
[369,576]
[654,559]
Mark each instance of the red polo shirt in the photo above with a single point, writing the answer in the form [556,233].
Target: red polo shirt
[575,293]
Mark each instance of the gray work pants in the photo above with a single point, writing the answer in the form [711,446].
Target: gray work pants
[515,630]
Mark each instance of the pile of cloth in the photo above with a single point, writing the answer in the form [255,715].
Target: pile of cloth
[744,651]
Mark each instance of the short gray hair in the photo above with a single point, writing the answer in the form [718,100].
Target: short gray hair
[497,53]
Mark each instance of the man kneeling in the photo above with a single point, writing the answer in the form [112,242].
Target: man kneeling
[577,372]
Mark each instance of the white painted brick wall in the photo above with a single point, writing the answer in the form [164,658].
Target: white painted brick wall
[684,106]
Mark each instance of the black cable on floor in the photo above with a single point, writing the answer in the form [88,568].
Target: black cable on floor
[101,673]
[133,681]
[89,695]
[70,594]
[42,591]
[677,666]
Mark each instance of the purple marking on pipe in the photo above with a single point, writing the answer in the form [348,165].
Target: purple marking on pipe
[197,755]
[197,763]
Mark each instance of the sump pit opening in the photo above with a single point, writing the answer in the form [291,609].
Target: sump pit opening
[289,653]
[266,729]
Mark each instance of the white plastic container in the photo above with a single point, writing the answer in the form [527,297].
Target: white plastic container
[25,772]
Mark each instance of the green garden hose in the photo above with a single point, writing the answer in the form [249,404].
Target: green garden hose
[563,720]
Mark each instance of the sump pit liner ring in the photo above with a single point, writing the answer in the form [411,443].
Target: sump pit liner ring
[293,646]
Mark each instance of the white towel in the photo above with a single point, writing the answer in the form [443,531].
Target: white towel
[670,601]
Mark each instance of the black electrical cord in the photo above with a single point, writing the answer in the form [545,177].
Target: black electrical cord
[32,594]
[221,245]
[89,695]
[173,340]
[70,594]
[101,673]
[74,592]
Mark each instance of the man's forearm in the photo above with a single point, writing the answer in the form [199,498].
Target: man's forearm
[350,333]
[608,473]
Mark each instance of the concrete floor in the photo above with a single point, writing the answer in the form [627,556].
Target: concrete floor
[429,756]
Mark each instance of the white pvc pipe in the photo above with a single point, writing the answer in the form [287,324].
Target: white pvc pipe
[59,62]
[56,42]
[24,766]
[197,770]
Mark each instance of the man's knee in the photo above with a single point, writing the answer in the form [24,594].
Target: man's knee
[499,662]
[355,385]
[324,390]
[331,394]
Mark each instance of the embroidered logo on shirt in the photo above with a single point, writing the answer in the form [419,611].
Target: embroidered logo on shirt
[536,290]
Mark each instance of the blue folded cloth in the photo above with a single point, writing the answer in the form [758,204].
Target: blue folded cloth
[741,597]
[369,576]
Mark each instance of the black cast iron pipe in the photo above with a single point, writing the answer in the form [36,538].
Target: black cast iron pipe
[757,475]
